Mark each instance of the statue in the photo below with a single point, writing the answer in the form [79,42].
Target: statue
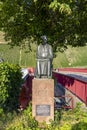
[44,57]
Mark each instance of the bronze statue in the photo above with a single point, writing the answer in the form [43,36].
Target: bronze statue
[44,57]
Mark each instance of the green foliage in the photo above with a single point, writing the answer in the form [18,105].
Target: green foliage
[63,8]
[64,22]
[75,119]
[23,121]
[80,126]
[10,83]
[6,118]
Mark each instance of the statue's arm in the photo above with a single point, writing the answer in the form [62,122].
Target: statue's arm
[37,53]
[51,53]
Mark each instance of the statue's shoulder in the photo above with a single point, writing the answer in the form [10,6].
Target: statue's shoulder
[39,47]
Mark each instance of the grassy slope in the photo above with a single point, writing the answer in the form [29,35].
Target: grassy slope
[72,57]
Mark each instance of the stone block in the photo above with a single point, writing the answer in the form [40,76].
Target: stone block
[43,100]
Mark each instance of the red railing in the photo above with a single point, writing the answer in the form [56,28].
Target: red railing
[77,86]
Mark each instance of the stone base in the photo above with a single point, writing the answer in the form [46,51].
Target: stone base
[43,100]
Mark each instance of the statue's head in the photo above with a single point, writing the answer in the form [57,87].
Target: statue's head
[44,39]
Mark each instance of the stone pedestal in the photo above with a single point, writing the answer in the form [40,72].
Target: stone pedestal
[43,100]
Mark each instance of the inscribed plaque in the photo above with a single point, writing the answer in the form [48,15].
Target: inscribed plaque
[43,110]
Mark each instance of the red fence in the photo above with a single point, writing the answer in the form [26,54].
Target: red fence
[77,87]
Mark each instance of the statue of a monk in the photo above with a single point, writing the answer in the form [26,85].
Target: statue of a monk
[44,57]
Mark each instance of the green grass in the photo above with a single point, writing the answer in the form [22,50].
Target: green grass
[77,56]
[72,57]
[17,56]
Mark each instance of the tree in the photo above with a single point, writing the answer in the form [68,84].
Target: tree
[64,22]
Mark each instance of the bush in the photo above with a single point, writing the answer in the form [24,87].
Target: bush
[10,83]
[64,120]
[23,121]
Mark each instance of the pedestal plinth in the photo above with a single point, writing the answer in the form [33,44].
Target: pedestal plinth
[43,100]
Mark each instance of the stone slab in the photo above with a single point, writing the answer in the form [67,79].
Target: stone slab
[43,100]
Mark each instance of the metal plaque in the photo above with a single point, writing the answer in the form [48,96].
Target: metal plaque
[42,110]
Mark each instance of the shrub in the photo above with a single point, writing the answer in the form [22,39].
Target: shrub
[10,83]
[64,120]
[23,121]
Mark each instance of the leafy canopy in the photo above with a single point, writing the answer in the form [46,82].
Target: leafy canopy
[63,21]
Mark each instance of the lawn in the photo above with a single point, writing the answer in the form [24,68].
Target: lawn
[71,57]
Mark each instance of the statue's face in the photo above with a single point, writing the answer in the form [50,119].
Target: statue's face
[44,39]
